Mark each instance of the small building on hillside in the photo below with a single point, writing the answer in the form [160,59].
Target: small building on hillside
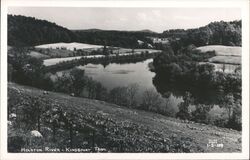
[159,40]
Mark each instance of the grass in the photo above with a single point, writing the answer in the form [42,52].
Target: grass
[55,52]
[226,60]
[69,46]
[136,130]
[222,50]
[37,55]
[53,61]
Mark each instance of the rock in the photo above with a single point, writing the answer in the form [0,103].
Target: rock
[12,115]
[174,135]
[45,92]
[36,133]
[166,140]
[9,123]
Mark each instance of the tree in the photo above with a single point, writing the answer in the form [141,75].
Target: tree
[34,112]
[151,100]
[118,96]
[101,92]
[228,103]
[236,120]
[73,81]
[52,118]
[105,50]
[184,111]
[201,113]
[132,90]
[234,111]
[25,69]
[91,88]
[78,79]
[63,83]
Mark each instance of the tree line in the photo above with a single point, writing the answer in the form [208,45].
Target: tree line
[215,33]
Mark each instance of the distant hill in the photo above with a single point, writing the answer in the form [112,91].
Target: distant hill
[215,33]
[29,31]
[147,31]
[125,39]
[102,30]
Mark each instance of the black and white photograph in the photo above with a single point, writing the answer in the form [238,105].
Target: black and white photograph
[125,79]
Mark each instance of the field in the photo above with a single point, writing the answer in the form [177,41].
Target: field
[53,61]
[136,130]
[69,46]
[227,58]
[37,55]
[234,60]
[53,53]
[221,50]
[59,52]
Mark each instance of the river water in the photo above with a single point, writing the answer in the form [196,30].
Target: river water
[119,75]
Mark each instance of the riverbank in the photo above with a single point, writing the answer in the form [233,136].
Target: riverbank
[137,52]
[151,66]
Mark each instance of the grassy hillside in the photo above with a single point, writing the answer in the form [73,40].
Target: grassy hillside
[224,54]
[115,128]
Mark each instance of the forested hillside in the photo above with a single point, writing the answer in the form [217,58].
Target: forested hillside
[29,31]
[220,33]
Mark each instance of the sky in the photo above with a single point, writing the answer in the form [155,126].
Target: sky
[155,19]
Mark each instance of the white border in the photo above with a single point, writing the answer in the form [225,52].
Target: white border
[242,4]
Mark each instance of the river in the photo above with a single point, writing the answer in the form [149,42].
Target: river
[118,75]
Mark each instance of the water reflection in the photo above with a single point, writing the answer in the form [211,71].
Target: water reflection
[201,95]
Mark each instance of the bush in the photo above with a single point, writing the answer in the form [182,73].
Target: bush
[151,100]
[201,113]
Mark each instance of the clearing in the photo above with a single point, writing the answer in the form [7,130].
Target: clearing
[221,50]
[69,46]
[227,58]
